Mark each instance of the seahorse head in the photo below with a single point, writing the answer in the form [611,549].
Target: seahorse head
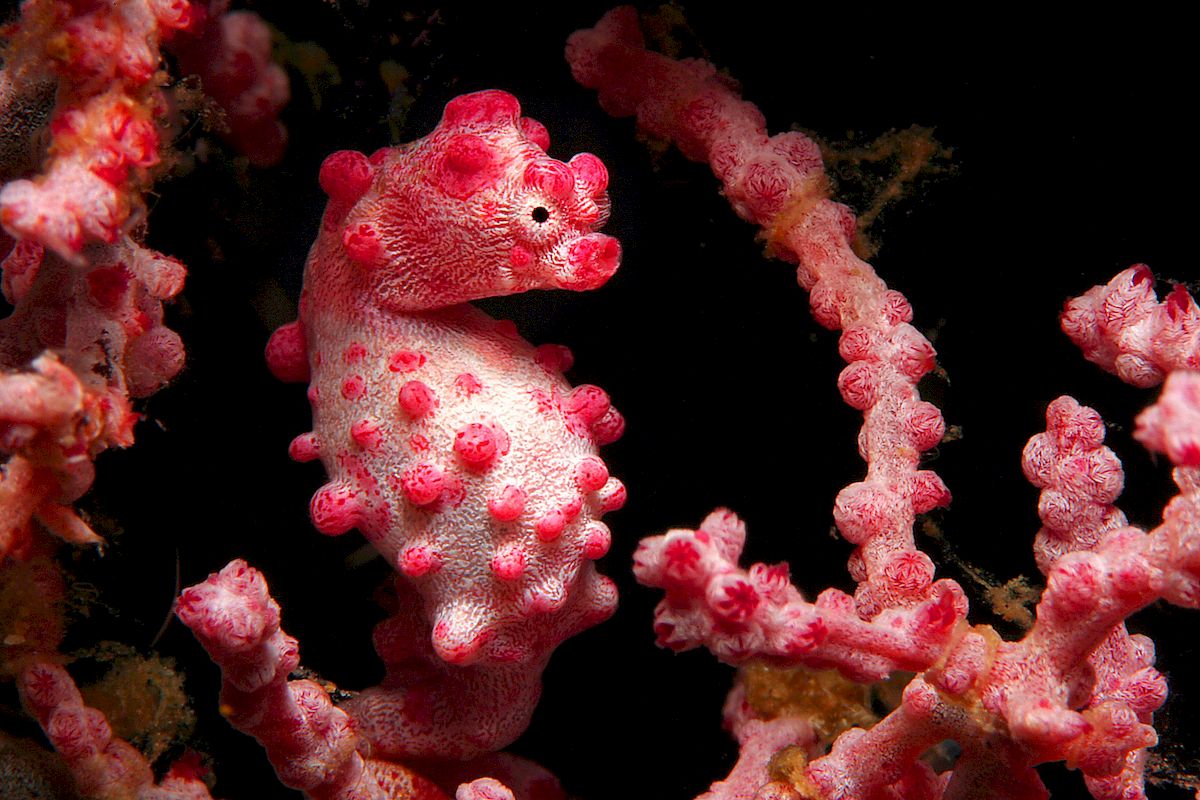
[475,209]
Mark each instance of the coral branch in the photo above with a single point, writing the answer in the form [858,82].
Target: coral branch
[778,183]
[312,745]
[80,343]
[231,52]
[106,58]
[104,767]
[1077,687]
[741,615]
[1125,329]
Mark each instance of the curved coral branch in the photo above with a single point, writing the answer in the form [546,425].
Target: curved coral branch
[104,767]
[81,343]
[313,746]
[778,183]
[1077,687]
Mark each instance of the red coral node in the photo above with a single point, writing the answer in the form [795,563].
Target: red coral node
[733,599]
[108,286]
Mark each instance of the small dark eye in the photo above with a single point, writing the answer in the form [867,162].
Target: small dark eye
[540,214]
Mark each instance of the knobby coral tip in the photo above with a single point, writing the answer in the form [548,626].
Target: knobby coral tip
[925,425]
[859,385]
[928,492]
[1179,302]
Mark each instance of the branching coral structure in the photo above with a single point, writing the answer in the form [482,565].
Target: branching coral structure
[1077,687]
[470,464]
[86,334]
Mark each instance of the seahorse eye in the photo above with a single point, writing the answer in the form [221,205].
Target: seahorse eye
[541,214]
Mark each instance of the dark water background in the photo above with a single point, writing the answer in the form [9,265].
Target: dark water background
[1072,161]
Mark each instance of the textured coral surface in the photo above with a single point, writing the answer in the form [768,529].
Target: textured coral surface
[1070,169]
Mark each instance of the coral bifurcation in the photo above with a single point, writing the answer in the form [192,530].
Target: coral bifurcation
[472,466]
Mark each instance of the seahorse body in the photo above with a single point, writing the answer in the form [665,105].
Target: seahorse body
[453,445]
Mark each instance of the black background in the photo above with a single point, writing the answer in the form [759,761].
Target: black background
[1072,160]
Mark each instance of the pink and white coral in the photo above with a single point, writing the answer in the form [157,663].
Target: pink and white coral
[105,57]
[80,344]
[1123,327]
[681,446]
[313,745]
[1076,687]
[86,334]
[105,136]
[104,766]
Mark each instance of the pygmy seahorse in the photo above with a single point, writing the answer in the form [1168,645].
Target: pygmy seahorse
[456,447]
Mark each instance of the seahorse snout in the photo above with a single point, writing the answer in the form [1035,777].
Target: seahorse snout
[591,261]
